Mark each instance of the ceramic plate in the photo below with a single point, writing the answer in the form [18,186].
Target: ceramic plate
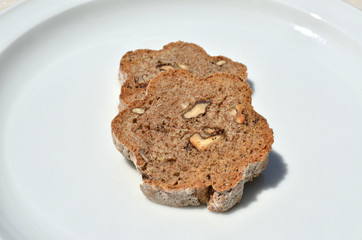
[62,178]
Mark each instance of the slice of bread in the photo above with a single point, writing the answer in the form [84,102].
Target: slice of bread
[138,68]
[195,141]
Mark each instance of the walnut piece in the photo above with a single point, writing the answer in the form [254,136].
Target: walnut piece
[200,143]
[239,117]
[138,110]
[220,62]
[198,109]
[139,80]
[212,131]
[233,112]
[182,66]
[142,152]
[164,67]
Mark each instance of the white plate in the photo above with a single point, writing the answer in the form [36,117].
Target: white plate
[62,178]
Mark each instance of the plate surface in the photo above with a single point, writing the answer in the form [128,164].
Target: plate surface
[62,178]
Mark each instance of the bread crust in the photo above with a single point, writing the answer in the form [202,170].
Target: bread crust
[174,198]
[223,201]
[217,201]
[124,150]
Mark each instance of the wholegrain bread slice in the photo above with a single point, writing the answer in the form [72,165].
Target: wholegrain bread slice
[138,68]
[195,141]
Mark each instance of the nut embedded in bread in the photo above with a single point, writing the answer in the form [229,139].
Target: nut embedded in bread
[204,158]
[138,68]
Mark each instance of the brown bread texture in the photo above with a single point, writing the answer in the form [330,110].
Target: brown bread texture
[194,140]
[138,68]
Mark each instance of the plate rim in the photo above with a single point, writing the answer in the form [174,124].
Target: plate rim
[350,26]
